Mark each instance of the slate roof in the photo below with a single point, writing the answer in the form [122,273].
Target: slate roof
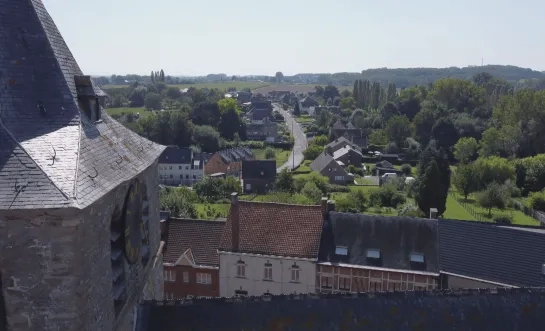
[497,310]
[309,102]
[323,161]
[345,150]
[176,155]
[52,155]
[201,236]
[276,229]
[395,237]
[236,154]
[258,169]
[340,143]
[502,254]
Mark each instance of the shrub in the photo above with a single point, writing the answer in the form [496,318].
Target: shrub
[270,153]
[387,196]
[537,201]
[503,219]
[337,188]
[406,169]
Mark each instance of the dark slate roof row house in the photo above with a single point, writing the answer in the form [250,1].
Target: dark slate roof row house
[258,175]
[326,165]
[401,243]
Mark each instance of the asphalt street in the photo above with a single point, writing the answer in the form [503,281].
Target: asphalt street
[300,140]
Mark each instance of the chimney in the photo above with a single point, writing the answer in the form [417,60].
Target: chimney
[234,222]
[330,206]
[323,206]
[433,213]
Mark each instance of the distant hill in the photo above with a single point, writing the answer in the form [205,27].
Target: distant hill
[405,77]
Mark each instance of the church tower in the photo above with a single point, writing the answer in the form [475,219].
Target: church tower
[79,200]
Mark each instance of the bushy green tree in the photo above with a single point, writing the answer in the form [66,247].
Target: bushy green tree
[465,149]
[494,196]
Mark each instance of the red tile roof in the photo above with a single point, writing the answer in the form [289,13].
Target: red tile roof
[201,236]
[276,229]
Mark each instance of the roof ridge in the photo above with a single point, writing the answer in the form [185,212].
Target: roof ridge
[195,220]
[462,292]
[10,135]
[276,203]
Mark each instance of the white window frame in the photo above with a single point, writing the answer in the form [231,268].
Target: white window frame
[186,277]
[268,273]
[204,278]
[295,275]
[170,275]
[241,270]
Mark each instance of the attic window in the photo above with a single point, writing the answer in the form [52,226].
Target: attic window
[417,258]
[373,253]
[341,250]
[543,270]
[262,173]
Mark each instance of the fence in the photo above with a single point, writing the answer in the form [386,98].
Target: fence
[467,207]
[538,215]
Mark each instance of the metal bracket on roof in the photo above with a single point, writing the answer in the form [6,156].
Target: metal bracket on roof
[120,159]
[54,156]
[96,174]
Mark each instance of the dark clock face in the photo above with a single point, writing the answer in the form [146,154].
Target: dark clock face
[132,216]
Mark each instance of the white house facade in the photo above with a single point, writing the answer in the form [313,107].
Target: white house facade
[253,274]
[180,166]
[270,248]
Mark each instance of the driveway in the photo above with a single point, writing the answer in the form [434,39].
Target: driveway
[300,140]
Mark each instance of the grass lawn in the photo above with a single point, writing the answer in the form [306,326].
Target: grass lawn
[518,217]
[239,85]
[281,155]
[211,211]
[456,211]
[305,166]
[304,119]
[118,111]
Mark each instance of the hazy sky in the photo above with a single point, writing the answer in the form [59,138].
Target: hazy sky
[196,37]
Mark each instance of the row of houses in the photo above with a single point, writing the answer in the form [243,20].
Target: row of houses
[272,248]
[181,166]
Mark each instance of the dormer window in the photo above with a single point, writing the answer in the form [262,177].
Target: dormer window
[417,261]
[341,250]
[88,99]
[374,257]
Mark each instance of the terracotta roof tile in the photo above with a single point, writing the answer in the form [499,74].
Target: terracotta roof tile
[276,229]
[201,236]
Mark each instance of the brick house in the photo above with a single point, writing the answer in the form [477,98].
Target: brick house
[361,252]
[269,248]
[258,176]
[190,258]
[228,161]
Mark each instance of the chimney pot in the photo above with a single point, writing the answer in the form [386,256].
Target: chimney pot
[433,213]
[323,205]
[235,237]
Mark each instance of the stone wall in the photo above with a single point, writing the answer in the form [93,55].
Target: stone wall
[56,265]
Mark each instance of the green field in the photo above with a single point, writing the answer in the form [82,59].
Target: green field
[221,86]
[281,155]
[118,111]
[518,217]
[212,210]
